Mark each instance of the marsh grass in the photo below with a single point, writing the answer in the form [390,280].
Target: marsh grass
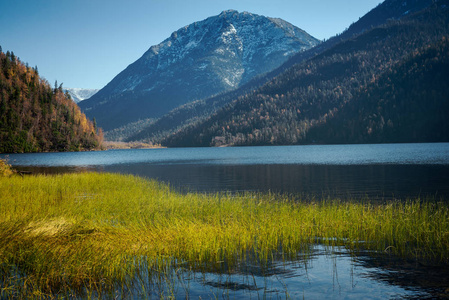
[95,234]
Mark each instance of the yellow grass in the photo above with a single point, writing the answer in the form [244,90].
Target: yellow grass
[93,232]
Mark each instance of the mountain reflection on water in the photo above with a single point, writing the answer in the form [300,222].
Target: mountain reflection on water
[353,181]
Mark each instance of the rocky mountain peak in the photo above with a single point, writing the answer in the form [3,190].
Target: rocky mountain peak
[229,12]
[204,58]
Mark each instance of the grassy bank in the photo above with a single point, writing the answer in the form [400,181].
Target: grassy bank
[92,232]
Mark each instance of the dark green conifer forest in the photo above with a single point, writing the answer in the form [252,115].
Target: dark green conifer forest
[409,103]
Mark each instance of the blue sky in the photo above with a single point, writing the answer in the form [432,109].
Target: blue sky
[85,43]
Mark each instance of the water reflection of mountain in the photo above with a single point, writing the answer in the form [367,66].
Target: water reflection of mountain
[376,182]
[429,277]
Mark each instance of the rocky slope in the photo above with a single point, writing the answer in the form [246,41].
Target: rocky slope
[199,60]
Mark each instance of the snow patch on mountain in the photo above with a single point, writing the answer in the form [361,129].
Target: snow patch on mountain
[79,94]
[246,37]
[199,60]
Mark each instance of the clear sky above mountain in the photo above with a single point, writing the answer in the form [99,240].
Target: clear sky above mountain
[85,43]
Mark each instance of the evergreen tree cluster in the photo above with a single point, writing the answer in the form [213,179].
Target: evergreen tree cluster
[410,103]
[35,117]
[375,87]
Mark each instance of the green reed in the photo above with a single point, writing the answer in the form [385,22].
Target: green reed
[93,233]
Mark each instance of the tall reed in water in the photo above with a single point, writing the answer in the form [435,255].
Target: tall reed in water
[92,232]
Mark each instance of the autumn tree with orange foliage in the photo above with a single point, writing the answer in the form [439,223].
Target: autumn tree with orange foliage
[36,118]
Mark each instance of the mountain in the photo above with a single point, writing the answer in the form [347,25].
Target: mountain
[79,94]
[35,117]
[315,91]
[199,60]
[199,111]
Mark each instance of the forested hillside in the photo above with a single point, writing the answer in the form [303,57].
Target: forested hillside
[410,103]
[312,93]
[199,111]
[35,117]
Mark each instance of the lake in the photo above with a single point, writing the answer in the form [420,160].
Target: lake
[379,172]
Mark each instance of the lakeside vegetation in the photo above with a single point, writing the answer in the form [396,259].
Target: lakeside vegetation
[91,234]
[109,145]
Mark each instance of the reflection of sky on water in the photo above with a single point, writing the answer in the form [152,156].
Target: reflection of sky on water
[325,274]
[428,154]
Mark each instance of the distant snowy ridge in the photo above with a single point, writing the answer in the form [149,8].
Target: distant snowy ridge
[79,94]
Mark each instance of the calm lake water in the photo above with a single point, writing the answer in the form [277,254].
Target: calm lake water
[380,172]
[324,273]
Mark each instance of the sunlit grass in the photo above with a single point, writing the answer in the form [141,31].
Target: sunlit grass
[92,233]
[5,169]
